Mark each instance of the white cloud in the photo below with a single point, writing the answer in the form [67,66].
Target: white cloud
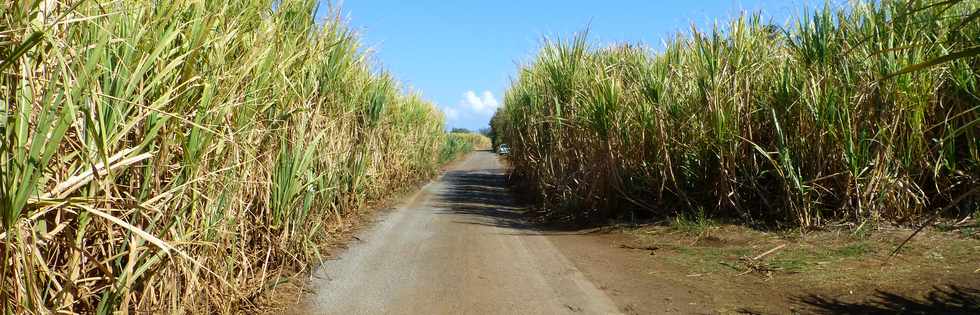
[485,104]
[473,110]
[451,113]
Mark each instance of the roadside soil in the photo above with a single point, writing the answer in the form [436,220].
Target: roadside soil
[665,269]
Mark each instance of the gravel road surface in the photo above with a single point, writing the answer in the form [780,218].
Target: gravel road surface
[458,246]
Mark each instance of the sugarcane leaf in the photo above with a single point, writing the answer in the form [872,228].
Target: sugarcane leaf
[25,46]
[969,52]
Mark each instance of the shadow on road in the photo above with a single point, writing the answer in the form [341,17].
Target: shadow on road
[482,198]
[950,299]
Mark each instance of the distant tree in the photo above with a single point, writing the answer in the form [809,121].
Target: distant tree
[497,131]
[460,130]
[489,133]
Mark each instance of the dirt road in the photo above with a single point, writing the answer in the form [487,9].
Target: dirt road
[457,247]
[460,246]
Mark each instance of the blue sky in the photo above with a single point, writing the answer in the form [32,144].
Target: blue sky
[462,54]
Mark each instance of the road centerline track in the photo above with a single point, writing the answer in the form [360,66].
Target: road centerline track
[458,246]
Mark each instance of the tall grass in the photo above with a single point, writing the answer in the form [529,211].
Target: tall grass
[792,125]
[185,156]
[460,143]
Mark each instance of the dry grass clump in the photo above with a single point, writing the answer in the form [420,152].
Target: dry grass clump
[176,156]
[460,143]
[479,141]
[791,125]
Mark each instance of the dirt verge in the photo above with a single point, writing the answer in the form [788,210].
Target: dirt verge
[722,270]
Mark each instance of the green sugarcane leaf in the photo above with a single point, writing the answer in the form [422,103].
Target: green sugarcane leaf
[966,53]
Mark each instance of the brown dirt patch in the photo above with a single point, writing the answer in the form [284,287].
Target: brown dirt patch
[710,271]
